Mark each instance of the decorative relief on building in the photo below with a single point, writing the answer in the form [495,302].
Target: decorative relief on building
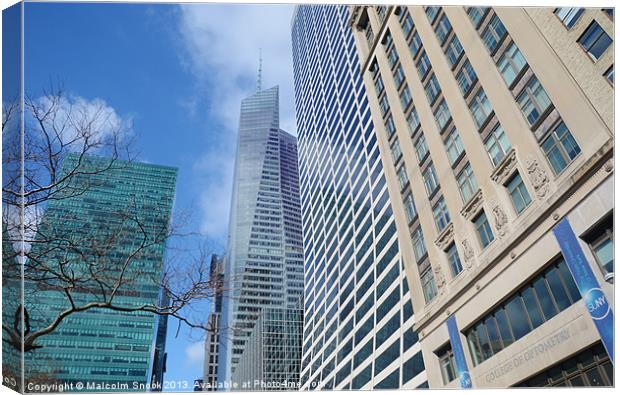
[468,253]
[505,168]
[445,237]
[472,207]
[440,279]
[499,218]
[538,176]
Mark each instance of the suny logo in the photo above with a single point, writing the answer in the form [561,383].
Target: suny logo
[597,303]
[465,380]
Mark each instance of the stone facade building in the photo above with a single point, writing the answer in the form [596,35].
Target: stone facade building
[495,126]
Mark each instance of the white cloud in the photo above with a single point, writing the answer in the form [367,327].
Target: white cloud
[76,117]
[195,353]
[222,41]
[220,47]
[214,200]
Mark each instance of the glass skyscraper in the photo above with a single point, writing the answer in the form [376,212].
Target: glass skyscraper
[263,267]
[358,312]
[108,217]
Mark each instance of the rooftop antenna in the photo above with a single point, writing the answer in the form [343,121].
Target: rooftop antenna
[260,70]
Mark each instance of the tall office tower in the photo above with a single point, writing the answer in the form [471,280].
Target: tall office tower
[212,340]
[498,123]
[358,329]
[112,213]
[160,356]
[271,360]
[263,267]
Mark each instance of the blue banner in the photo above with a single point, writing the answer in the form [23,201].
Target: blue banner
[462,371]
[596,302]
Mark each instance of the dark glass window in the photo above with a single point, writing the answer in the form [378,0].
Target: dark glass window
[595,40]
[569,15]
[536,302]
[589,368]
[560,148]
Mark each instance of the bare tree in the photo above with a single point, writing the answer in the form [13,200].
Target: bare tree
[85,269]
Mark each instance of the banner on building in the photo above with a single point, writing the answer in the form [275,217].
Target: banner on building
[596,302]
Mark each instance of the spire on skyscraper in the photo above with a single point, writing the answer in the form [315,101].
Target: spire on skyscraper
[260,70]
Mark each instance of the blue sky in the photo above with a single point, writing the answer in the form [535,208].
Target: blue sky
[178,74]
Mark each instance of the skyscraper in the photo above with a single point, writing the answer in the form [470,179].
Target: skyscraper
[263,266]
[358,329]
[212,339]
[112,213]
[497,124]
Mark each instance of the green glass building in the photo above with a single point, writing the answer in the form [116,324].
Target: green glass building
[111,223]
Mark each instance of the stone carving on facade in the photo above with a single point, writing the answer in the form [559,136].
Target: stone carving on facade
[472,206]
[440,279]
[538,176]
[505,167]
[609,165]
[445,237]
[468,253]
[500,218]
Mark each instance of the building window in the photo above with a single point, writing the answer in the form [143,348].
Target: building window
[533,101]
[497,145]
[523,311]
[609,74]
[454,260]
[601,242]
[467,183]
[568,15]
[379,85]
[413,120]
[402,177]
[466,77]
[511,64]
[428,284]
[431,13]
[441,214]
[419,247]
[443,29]
[493,34]
[389,126]
[410,209]
[485,235]
[589,368]
[423,65]
[370,36]
[387,40]
[518,193]
[392,56]
[447,364]
[454,51]
[609,12]
[442,114]
[476,14]
[381,10]
[405,97]
[454,147]
[560,148]
[384,104]
[396,152]
[399,75]
[595,41]
[407,24]
[480,108]
[430,180]
[415,45]
[421,148]
[432,89]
